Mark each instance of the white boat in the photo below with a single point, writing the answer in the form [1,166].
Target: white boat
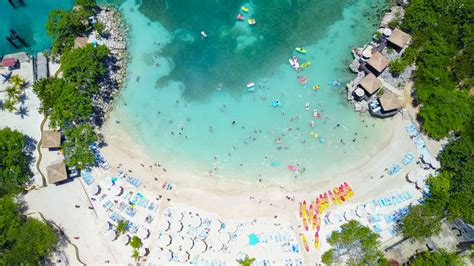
[250,85]
[293,65]
[296,61]
[203,34]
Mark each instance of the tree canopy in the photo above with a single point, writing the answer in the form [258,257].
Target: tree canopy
[76,146]
[440,257]
[355,244]
[14,161]
[63,27]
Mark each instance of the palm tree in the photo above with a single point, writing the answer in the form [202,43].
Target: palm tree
[121,227]
[247,261]
[17,81]
[9,104]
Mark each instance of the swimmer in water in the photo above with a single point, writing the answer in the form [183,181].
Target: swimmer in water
[233,122]
[307,106]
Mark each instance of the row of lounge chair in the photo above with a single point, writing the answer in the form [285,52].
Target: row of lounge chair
[87,177]
[394,169]
[388,201]
[409,157]
[133,181]
[415,136]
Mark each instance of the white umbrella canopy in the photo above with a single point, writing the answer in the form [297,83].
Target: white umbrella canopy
[411,177]
[223,237]
[124,239]
[214,244]
[111,235]
[369,207]
[142,251]
[143,233]
[164,225]
[176,226]
[164,254]
[199,246]
[195,221]
[361,211]
[215,226]
[117,190]
[349,215]
[106,227]
[387,32]
[359,92]
[188,243]
[230,228]
[164,240]
[95,189]
[334,217]
[108,183]
[181,256]
[420,183]
[178,242]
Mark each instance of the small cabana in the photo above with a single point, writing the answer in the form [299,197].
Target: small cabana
[399,38]
[10,63]
[378,63]
[390,105]
[56,172]
[51,139]
[370,83]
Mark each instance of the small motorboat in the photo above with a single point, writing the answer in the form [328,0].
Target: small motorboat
[251,21]
[251,86]
[203,34]
[239,17]
[296,62]
[301,50]
[245,9]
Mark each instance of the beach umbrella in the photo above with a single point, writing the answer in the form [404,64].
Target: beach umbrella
[199,246]
[349,215]
[195,221]
[369,207]
[188,243]
[215,226]
[143,252]
[179,242]
[108,183]
[106,227]
[95,189]
[124,239]
[361,211]
[111,235]
[334,217]
[176,226]
[164,225]
[387,32]
[143,233]
[230,228]
[411,177]
[181,256]
[164,240]
[162,254]
[223,237]
[420,183]
[117,190]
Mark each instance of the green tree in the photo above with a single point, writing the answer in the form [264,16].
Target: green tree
[355,244]
[23,241]
[122,227]
[85,67]
[136,242]
[76,145]
[14,161]
[63,27]
[48,91]
[421,221]
[99,27]
[440,257]
[247,261]
[88,5]
[71,107]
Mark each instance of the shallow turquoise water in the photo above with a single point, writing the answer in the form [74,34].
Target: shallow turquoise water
[29,22]
[187,103]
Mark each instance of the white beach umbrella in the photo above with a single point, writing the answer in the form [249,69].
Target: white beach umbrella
[176,226]
[108,183]
[182,256]
[188,243]
[95,189]
[367,52]
[420,183]
[142,251]
[334,217]
[164,240]
[214,244]
[349,215]
[164,225]
[223,237]
[230,228]
[178,242]
[143,233]
[387,32]
[199,246]
[361,212]
[124,239]
[111,235]
[106,227]
[164,254]
[369,207]
[411,177]
[169,255]
[195,221]
[117,190]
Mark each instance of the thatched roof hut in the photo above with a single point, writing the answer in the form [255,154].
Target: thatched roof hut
[389,101]
[399,38]
[51,139]
[378,62]
[370,83]
[56,172]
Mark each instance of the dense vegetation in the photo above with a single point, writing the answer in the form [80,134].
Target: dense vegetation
[355,244]
[443,49]
[68,100]
[14,161]
[22,240]
[440,257]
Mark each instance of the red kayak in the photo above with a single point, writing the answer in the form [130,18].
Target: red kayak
[239,17]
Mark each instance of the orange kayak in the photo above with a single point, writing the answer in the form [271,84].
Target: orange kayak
[305,242]
[305,210]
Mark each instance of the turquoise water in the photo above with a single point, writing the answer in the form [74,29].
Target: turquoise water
[186,100]
[29,22]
